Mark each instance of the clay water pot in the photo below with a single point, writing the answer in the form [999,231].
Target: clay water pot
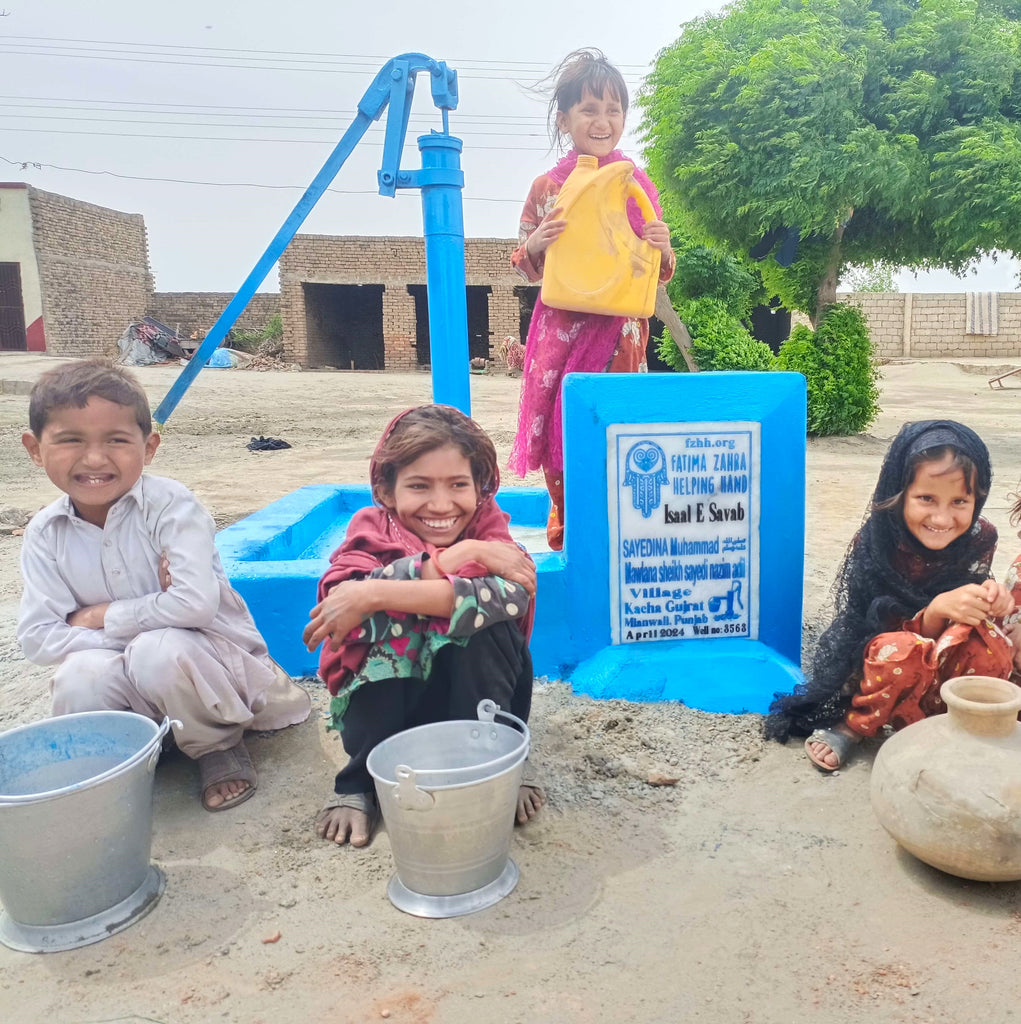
[948,788]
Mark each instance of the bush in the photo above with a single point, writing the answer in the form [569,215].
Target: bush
[709,272]
[268,341]
[718,340]
[838,364]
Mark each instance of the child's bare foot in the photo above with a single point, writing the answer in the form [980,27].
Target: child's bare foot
[530,799]
[832,748]
[348,817]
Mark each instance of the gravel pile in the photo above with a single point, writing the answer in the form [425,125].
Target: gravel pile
[587,750]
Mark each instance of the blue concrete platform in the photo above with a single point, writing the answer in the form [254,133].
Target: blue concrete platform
[274,559]
[640,603]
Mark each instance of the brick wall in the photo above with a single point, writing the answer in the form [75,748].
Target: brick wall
[930,325]
[198,311]
[93,272]
[393,263]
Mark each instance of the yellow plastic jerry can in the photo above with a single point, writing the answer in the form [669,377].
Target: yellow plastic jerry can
[598,264]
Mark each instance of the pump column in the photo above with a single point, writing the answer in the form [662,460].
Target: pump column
[441,181]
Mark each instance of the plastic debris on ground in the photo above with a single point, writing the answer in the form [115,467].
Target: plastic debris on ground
[146,342]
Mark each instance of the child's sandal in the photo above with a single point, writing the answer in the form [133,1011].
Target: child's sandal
[231,765]
[840,743]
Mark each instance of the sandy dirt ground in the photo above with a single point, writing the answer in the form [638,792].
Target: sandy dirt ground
[754,891]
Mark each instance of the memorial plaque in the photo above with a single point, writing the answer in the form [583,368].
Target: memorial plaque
[684,530]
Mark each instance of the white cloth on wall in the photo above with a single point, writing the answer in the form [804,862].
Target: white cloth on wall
[982,313]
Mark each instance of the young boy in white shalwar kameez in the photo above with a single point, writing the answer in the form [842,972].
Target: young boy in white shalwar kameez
[124,590]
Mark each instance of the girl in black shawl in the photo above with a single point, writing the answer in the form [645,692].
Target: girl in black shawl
[914,601]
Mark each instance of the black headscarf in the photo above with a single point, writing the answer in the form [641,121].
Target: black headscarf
[888,576]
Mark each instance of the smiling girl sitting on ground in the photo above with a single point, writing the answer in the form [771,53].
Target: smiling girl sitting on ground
[915,603]
[426,607]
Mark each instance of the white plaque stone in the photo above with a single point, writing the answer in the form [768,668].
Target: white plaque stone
[683,505]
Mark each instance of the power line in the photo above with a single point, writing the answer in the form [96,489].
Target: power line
[335,128]
[24,164]
[326,67]
[231,138]
[538,66]
[116,106]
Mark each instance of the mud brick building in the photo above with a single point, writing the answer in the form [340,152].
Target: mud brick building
[72,274]
[360,303]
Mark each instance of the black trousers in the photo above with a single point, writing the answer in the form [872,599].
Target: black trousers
[495,664]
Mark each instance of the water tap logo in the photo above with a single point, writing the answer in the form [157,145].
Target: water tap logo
[645,472]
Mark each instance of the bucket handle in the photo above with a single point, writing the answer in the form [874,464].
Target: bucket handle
[158,741]
[407,795]
[488,710]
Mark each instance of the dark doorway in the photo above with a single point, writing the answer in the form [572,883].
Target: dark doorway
[526,295]
[344,325]
[12,309]
[771,324]
[419,293]
[477,297]
[477,303]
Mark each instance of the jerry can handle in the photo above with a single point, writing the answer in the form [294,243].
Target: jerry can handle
[640,196]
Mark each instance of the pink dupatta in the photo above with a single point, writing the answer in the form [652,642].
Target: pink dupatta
[562,342]
[374,539]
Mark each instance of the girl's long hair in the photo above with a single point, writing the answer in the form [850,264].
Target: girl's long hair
[423,429]
[888,576]
[581,71]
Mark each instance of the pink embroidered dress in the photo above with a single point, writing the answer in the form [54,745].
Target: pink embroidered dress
[562,342]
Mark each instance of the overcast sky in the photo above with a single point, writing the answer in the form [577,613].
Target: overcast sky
[220,95]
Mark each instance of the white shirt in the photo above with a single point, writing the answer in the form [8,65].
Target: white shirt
[68,563]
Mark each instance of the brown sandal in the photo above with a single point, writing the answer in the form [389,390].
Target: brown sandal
[231,765]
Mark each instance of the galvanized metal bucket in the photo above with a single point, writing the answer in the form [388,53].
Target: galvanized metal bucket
[450,817]
[76,828]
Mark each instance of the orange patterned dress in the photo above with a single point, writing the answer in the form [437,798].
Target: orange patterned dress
[904,671]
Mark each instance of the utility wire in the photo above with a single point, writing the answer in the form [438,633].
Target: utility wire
[376,60]
[335,128]
[233,138]
[295,113]
[25,164]
[324,68]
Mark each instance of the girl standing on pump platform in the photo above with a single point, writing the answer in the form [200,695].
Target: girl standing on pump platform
[589,104]
[915,603]
[426,607]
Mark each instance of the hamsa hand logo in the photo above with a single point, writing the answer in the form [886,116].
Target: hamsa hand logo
[645,472]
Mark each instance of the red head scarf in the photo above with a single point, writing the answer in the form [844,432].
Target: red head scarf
[376,538]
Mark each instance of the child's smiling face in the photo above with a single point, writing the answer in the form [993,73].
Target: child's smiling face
[94,455]
[594,124]
[938,504]
[435,496]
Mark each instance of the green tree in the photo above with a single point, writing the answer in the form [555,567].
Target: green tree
[705,271]
[882,130]
[875,278]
